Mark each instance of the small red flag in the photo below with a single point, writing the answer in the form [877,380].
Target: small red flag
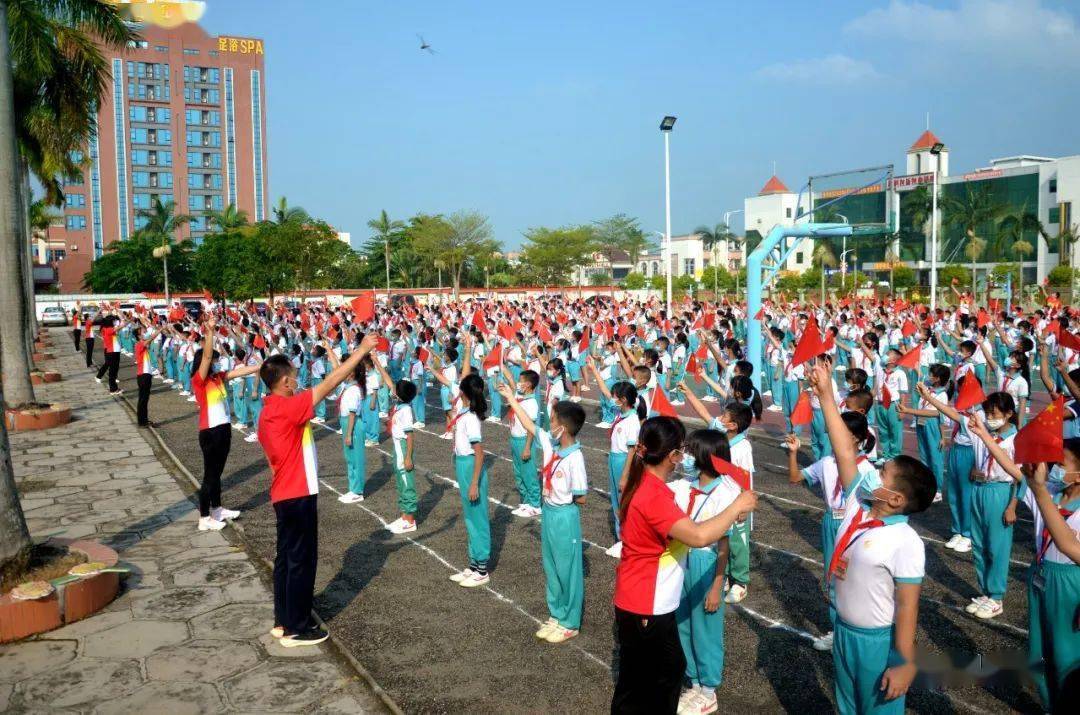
[661,404]
[1041,440]
[363,307]
[259,342]
[506,331]
[693,368]
[830,342]
[803,413]
[710,319]
[760,314]
[544,333]
[422,355]
[494,357]
[478,321]
[1068,340]
[908,328]
[910,359]
[739,475]
[586,338]
[970,393]
[982,319]
[810,345]
[383,345]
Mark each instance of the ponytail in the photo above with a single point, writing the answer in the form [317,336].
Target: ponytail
[659,437]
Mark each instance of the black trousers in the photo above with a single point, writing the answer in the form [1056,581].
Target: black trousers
[295,562]
[112,366]
[89,350]
[143,404]
[215,443]
[76,335]
[651,664]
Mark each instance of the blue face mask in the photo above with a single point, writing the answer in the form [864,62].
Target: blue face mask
[1055,479]
[689,465]
[870,483]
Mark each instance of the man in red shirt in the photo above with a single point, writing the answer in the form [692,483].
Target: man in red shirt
[286,439]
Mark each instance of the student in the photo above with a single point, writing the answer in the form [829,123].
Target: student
[700,615]
[253,391]
[565,485]
[110,345]
[622,438]
[892,395]
[215,428]
[401,436]
[351,424]
[76,326]
[418,377]
[318,372]
[823,474]
[523,452]
[237,393]
[472,477]
[446,373]
[927,422]
[656,537]
[89,338]
[877,582]
[285,435]
[143,373]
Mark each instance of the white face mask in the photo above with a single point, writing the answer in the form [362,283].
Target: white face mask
[995,424]
[557,433]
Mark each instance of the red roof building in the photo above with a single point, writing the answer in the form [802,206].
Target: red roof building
[774,186]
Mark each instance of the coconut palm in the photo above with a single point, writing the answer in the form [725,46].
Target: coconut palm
[918,204]
[976,208]
[385,229]
[892,258]
[227,219]
[283,213]
[823,258]
[974,249]
[718,235]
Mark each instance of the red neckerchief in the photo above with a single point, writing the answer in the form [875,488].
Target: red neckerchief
[845,539]
[458,416]
[1046,540]
[549,470]
[694,494]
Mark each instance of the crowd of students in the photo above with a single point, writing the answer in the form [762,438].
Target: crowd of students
[849,374]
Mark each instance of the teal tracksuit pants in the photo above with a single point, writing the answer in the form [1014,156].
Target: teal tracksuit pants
[819,437]
[320,407]
[564,569]
[404,480]
[477,522]
[738,568]
[419,403]
[1053,640]
[370,417]
[991,540]
[928,436]
[701,634]
[526,477]
[355,459]
[616,461]
[790,395]
[890,430]
[829,527]
[494,398]
[239,400]
[958,494]
[860,657]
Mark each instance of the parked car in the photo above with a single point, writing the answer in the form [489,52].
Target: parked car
[194,308]
[261,308]
[128,307]
[160,309]
[54,315]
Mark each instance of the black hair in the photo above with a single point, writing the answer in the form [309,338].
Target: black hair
[856,376]
[860,399]
[944,377]
[197,360]
[744,367]
[742,385]
[571,416]
[628,393]
[449,356]
[859,427]
[704,444]
[472,388]
[652,357]
[659,437]
[968,345]
[1072,444]
[1004,403]
[740,414]
[273,369]
[405,391]
[915,481]
[531,378]
[1022,365]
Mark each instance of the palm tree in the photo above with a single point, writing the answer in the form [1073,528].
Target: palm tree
[892,258]
[228,219]
[718,235]
[283,213]
[919,205]
[823,257]
[974,209]
[384,230]
[974,249]
[162,226]
[1066,238]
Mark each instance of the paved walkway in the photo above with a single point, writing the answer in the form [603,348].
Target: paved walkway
[188,632]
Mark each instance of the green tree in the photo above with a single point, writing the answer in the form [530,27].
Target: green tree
[821,259]
[550,255]
[634,281]
[1067,236]
[465,237]
[903,277]
[1014,225]
[1062,276]
[386,231]
[130,266]
[718,235]
[227,219]
[719,279]
[953,274]
[231,263]
[968,212]
[285,214]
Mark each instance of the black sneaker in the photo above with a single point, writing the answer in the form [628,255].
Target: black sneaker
[313,637]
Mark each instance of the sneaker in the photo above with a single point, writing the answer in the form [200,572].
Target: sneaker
[575,399]
[237,426]
[223,514]
[521,510]
[535,511]
[168,381]
[937,497]
[493,419]
[383,415]
[477,579]
[708,398]
[951,543]
[704,704]
[313,637]
[184,393]
[371,443]
[446,435]
[678,403]
[277,632]
[688,696]
[388,527]
[560,634]
[586,388]
[191,399]
[116,393]
[253,437]
[318,420]
[97,380]
[350,498]
[603,425]
[975,604]
[774,408]
[824,644]
[419,425]
[209,523]
[963,545]
[735,594]
[615,550]
[988,609]
[462,575]
[546,628]
[404,526]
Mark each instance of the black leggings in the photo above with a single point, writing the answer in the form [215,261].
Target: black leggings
[215,443]
[89,350]
[112,366]
[76,335]
[143,405]
[651,664]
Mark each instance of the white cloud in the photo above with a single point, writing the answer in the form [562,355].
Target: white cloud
[1014,32]
[833,69]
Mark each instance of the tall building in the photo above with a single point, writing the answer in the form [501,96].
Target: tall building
[182,119]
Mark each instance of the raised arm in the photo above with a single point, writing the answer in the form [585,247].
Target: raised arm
[339,374]
[1064,538]
[599,382]
[507,392]
[942,407]
[984,345]
[709,532]
[695,402]
[978,428]
[842,442]
[210,326]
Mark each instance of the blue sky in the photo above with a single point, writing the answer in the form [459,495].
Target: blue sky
[547,113]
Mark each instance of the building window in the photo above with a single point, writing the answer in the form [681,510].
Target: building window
[1055,215]
[655,269]
[74,223]
[230,136]
[787,212]
[798,258]
[1053,186]
[121,149]
[161,48]
[257,141]
[191,51]
[688,266]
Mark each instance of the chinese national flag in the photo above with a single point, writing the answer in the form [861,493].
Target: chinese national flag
[803,414]
[760,314]
[506,331]
[886,396]
[739,475]
[544,333]
[710,319]
[1041,440]
[693,368]
[363,307]
[494,357]
[1054,328]
[259,342]
[478,321]
[422,355]
[970,393]
[586,338]
[982,318]
[1068,340]
[661,404]
[908,328]
[830,342]
[910,359]
[383,345]
[810,345]
[623,330]
[702,352]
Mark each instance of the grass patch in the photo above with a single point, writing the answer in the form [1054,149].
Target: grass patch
[46,562]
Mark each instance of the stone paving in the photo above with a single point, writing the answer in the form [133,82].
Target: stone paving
[189,631]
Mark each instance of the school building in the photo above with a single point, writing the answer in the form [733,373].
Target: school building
[1045,187]
[182,119]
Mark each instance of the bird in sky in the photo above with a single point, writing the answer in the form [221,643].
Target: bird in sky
[424,46]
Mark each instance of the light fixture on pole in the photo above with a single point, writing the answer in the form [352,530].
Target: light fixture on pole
[727,218]
[666,125]
[163,252]
[936,152]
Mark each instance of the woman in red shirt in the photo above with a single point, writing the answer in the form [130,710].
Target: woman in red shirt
[656,536]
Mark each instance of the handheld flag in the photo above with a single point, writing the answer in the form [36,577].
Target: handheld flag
[422,355]
[259,343]
[908,328]
[1041,440]
[739,475]
[810,345]
[693,368]
[383,345]
[910,359]
[802,414]
[970,393]
[363,307]
[544,333]
[982,318]
[1068,340]
[478,321]
[586,338]
[494,357]
[661,404]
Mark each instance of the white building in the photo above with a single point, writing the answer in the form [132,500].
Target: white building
[345,237]
[689,257]
[775,205]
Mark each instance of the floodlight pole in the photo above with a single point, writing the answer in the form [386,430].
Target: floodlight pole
[667,214]
[935,151]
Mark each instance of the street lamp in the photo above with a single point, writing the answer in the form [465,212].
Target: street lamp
[727,218]
[936,152]
[386,245]
[163,252]
[666,125]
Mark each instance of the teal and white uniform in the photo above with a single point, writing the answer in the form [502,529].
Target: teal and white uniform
[401,424]
[525,470]
[991,540]
[466,432]
[623,437]
[350,403]
[564,478]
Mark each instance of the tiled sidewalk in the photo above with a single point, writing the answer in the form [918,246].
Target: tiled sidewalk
[188,632]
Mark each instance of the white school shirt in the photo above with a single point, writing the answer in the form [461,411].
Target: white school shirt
[607,365]
[960,434]
[318,368]
[742,454]
[1015,385]
[877,559]
[397,350]
[624,432]
[372,381]
[825,473]
[466,432]
[532,409]
[350,399]
[702,504]
[1052,554]
[815,403]
[416,372]
[556,389]
[567,464]
[988,465]
[402,421]
[513,355]
[897,383]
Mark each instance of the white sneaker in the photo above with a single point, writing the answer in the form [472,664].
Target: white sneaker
[767,393]
[708,398]
[391,525]
[462,575]
[209,523]
[223,514]
[774,408]
[824,644]
[575,399]
[318,420]
[474,580]
[704,703]
[237,426]
[418,425]
[404,526]
[546,628]
[535,511]
[975,604]
[688,696]
[191,399]
[350,498]
[370,443]
[586,388]
[678,403]
[493,418]
[446,435]
[963,545]
[988,609]
[168,381]
[561,635]
[520,510]
[97,380]
[253,437]
[277,632]
[603,425]
[937,497]
[183,392]
[615,550]
[951,543]
[383,415]
[735,594]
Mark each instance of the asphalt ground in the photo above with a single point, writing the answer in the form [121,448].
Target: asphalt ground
[437,647]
